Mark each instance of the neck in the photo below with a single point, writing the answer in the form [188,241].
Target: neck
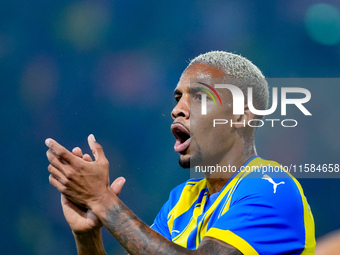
[233,159]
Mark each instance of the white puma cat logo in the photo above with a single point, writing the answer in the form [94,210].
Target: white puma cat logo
[268,178]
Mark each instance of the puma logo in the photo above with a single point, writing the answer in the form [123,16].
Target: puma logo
[268,178]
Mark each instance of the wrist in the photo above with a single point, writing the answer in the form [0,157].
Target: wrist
[106,201]
[84,236]
[89,242]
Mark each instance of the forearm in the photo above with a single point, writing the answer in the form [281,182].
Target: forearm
[133,234]
[90,243]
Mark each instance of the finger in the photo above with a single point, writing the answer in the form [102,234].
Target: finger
[77,208]
[61,160]
[96,148]
[57,174]
[58,163]
[78,152]
[87,158]
[55,183]
[60,151]
[117,185]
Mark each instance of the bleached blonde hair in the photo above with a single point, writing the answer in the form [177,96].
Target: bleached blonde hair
[243,72]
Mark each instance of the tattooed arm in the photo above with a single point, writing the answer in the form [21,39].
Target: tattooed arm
[138,238]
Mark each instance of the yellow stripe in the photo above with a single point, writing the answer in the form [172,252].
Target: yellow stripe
[182,238]
[254,164]
[203,225]
[309,224]
[188,196]
[308,218]
[226,205]
[307,214]
[231,187]
[229,237]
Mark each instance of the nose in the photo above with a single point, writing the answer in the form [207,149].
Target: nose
[182,108]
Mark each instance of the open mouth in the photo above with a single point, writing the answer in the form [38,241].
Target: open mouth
[182,136]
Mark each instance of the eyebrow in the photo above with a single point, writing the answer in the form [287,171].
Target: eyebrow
[194,90]
[199,89]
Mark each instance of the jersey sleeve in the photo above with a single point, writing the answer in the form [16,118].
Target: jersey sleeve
[160,223]
[261,220]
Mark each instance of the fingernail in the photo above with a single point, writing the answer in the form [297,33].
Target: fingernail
[48,142]
[121,180]
[93,138]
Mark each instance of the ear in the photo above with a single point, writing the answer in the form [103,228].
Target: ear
[241,121]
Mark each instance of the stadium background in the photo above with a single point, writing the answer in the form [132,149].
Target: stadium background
[71,68]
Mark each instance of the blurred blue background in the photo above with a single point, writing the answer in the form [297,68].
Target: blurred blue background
[71,68]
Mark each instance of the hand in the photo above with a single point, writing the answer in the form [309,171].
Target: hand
[81,219]
[79,179]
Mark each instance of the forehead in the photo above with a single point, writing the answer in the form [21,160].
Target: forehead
[198,71]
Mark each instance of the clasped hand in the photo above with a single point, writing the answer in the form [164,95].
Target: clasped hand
[83,182]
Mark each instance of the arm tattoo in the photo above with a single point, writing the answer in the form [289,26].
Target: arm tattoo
[213,246]
[138,238]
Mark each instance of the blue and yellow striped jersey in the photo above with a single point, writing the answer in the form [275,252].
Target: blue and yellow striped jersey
[257,211]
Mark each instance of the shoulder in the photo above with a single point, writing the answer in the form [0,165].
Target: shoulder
[269,183]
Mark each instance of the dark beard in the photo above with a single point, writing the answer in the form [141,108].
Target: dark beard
[193,161]
[184,163]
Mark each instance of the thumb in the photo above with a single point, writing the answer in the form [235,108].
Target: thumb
[97,149]
[117,185]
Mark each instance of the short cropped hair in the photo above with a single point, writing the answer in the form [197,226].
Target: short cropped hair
[243,71]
